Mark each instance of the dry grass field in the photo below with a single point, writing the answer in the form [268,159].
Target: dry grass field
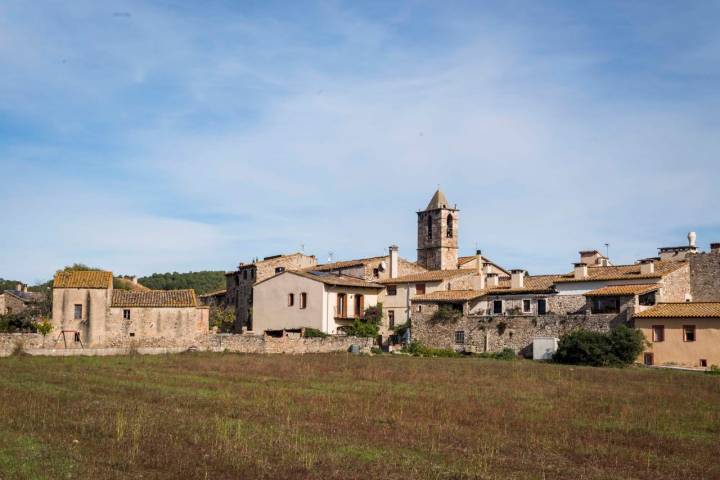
[223,416]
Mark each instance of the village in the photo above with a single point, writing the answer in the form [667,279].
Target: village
[290,303]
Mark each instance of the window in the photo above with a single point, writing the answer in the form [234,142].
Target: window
[419,308]
[391,290]
[449,226]
[391,319]
[497,307]
[376,272]
[689,333]
[77,336]
[132,334]
[542,306]
[78,312]
[291,299]
[244,274]
[703,362]
[303,300]
[605,305]
[252,274]
[460,336]
[658,333]
[126,314]
[648,359]
[359,306]
[647,299]
[420,289]
[526,306]
[429,227]
[341,309]
[279,270]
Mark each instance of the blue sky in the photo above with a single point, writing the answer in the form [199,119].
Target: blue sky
[175,136]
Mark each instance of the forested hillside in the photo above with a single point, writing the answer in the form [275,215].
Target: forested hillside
[202,282]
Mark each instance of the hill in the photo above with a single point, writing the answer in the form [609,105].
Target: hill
[202,282]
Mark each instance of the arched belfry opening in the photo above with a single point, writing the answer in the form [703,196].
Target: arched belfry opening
[429,227]
[450,226]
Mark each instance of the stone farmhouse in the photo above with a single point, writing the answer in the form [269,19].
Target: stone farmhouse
[89,312]
[15,301]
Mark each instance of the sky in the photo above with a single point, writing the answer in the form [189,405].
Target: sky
[160,136]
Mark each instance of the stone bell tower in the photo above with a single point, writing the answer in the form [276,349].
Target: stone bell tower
[437,235]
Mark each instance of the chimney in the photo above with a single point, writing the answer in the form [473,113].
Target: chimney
[692,239]
[581,271]
[134,280]
[394,261]
[487,267]
[480,262]
[19,287]
[715,247]
[493,280]
[647,267]
[517,278]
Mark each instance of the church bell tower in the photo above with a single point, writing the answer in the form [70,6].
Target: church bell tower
[437,235]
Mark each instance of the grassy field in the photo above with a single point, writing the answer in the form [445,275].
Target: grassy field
[339,416]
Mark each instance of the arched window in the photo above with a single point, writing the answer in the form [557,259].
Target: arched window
[429,227]
[450,226]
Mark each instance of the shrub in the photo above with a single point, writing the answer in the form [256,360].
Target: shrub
[619,347]
[222,318]
[376,350]
[22,322]
[369,325]
[44,327]
[314,333]
[445,313]
[714,370]
[402,328]
[417,349]
[504,354]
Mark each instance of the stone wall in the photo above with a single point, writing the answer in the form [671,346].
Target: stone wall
[676,286]
[9,303]
[705,277]
[493,333]
[34,344]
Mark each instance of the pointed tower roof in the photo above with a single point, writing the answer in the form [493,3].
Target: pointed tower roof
[438,201]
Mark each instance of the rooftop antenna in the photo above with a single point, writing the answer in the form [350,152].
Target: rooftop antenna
[607,251]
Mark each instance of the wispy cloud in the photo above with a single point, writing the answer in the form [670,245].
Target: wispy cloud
[197,137]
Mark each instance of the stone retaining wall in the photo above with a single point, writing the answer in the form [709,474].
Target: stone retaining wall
[34,344]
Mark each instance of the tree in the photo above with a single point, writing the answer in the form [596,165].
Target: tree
[619,347]
[222,318]
[369,325]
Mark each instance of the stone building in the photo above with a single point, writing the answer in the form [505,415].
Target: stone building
[373,269]
[18,300]
[239,284]
[326,301]
[685,334]
[88,312]
[437,240]
[705,275]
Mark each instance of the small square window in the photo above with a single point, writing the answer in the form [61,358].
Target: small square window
[703,362]
[526,306]
[460,336]
[420,289]
[126,314]
[279,269]
[689,333]
[132,334]
[497,307]
[391,290]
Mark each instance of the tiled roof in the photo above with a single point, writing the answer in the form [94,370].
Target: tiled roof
[328,279]
[346,264]
[682,310]
[438,201]
[623,290]
[465,260]
[531,284]
[431,276]
[154,298]
[213,294]
[83,279]
[449,296]
[622,272]
[26,297]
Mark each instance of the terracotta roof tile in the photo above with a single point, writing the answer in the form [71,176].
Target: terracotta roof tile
[622,272]
[431,276]
[531,284]
[154,298]
[83,279]
[449,296]
[346,263]
[682,310]
[623,290]
[338,280]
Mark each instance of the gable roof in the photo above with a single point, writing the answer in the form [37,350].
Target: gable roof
[623,290]
[449,296]
[465,260]
[154,298]
[26,297]
[682,310]
[531,284]
[83,279]
[346,264]
[431,276]
[327,278]
[622,272]
[438,201]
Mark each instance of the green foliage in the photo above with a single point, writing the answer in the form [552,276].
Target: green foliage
[222,318]
[619,347]
[417,349]
[714,370]
[314,333]
[22,322]
[505,354]
[445,313]
[8,284]
[202,282]
[369,325]
[44,327]
[402,328]
[376,351]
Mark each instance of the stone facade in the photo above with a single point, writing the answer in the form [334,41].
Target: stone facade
[10,304]
[482,333]
[675,286]
[239,284]
[35,344]
[437,235]
[705,276]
